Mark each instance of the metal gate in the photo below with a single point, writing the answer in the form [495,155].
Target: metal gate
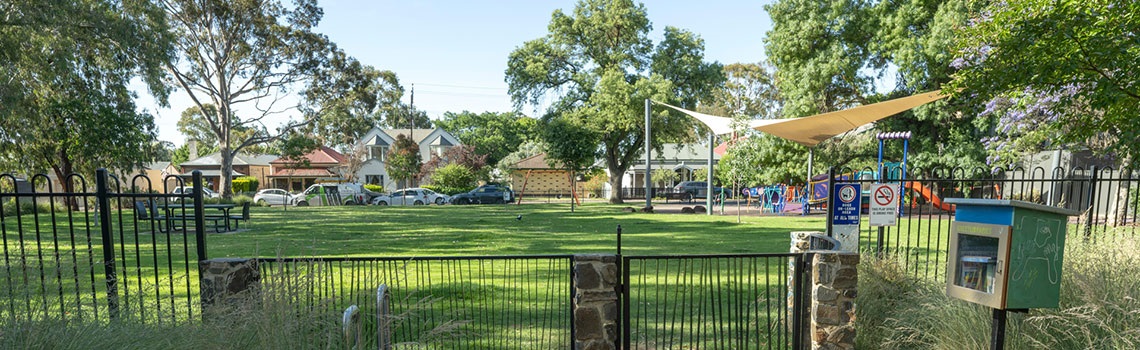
[737,301]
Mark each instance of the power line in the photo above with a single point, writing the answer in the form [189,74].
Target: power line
[464,86]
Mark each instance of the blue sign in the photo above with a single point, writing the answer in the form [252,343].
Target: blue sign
[847,201]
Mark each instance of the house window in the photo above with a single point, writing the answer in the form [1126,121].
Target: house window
[378,152]
[438,150]
[374,179]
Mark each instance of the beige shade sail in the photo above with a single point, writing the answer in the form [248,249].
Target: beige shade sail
[810,131]
[718,125]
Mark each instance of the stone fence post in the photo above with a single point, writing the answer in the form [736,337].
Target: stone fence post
[595,302]
[228,281]
[828,294]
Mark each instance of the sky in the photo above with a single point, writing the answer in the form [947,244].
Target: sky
[455,52]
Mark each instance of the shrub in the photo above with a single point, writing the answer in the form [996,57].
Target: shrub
[245,184]
[449,190]
[27,208]
[1099,307]
[454,176]
[242,199]
[596,184]
[374,188]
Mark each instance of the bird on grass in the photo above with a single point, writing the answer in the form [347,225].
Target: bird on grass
[519,218]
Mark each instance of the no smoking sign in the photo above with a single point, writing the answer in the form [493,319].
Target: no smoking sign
[884,209]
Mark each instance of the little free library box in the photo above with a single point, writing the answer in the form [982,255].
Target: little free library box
[1006,254]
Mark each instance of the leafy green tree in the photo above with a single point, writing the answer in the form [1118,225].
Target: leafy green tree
[572,146]
[598,66]
[1057,73]
[403,117]
[749,92]
[404,160]
[492,134]
[65,101]
[454,176]
[664,177]
[245,56]
[464,155]
[829,56]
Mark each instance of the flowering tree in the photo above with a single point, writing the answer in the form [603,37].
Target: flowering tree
[1056,73]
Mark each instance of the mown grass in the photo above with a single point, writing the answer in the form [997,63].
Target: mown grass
[484,310]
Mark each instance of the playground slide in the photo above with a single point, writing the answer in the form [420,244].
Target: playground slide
[929,195]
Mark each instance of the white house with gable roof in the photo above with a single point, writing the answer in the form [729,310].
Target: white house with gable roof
[378,141]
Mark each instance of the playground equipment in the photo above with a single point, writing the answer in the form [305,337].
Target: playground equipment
[928,195]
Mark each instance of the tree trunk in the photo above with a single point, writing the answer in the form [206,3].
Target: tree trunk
[61,172]
[226,180]
[615,187]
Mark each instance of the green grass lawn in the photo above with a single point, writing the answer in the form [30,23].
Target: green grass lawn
[495,230]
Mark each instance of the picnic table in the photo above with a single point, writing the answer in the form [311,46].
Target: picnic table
[184,211]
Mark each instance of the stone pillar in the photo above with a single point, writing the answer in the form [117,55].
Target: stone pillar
[228,281]
[595,302]
[834,280]
[801,243]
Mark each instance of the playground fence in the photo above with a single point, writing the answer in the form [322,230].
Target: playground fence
[1108,200]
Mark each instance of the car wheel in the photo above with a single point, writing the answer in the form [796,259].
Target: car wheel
[382,203]
[463,201]
[418,202]
[302,204]
[438,200]
[261,203]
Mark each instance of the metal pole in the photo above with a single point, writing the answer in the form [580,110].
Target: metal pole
[810,189]
[199,215]
[102,196]
[709,183]
[997,330]
[830,192]
[619,240]
[879,241]
[648,165]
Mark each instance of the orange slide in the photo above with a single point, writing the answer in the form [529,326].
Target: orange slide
[929,195]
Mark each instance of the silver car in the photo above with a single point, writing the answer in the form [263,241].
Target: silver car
[412,196]
[272,196]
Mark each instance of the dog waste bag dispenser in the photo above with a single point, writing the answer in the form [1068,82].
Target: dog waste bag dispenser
[1006,254]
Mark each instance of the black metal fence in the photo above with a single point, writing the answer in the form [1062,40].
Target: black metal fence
[489,302]
[1108,200]
[737,301]
[76,249]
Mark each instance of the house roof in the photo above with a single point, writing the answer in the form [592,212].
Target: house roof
[209,173]
[157,165]
[418,135]
[215,159]
[321,155]
[683,152]
[303,172]
[537,161]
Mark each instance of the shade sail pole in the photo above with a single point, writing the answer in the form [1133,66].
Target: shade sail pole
[648,166]
[810,189]
[709,183]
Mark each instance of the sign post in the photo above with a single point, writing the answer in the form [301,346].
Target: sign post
[884,204]
[847,199]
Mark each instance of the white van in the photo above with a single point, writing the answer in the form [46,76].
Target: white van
[331,194]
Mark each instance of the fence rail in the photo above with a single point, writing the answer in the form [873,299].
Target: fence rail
[73,249]
[488,302]
[1108,200]
[709,301]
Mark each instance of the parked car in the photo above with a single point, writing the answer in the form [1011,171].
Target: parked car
[486,194]
[690,190]
[206,192]
[331,194]
[411,196]
[272,196]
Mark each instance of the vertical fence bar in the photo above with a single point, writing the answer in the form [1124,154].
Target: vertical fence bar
[199,215]
[797,301]
[1092,202]
[104,199]
[830,190]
